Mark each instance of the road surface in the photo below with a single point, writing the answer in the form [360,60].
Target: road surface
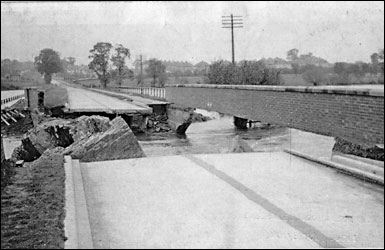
[82,100]
[247,200]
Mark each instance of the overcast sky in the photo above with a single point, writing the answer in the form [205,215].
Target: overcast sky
[191,31]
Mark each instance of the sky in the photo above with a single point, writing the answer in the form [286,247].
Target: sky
[192,31]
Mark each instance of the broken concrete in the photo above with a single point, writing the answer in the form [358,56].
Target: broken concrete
[57,132]
[117,142]
[88,125]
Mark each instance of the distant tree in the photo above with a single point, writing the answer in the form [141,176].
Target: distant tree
[315,75]
[157,70]
[340,67]
[6,67]
[381,60]
[365,67]
[295,67]
[71,60]
[100,55]
[381,55]
[245,73]
[355,69]
[47,63]
[125,73]
[292,54]
[375,58]
[119,61]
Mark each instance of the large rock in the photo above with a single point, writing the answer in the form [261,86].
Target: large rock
[117,142]
[55,132]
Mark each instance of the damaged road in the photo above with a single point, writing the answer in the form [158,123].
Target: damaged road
[85,138]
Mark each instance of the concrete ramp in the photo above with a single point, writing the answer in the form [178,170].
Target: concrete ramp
[247,200]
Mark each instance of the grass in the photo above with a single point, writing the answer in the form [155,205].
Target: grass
[32,206]
[54,96]
[22,84]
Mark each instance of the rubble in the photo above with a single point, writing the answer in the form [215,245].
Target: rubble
[158,123]
[117,142]
[54,132]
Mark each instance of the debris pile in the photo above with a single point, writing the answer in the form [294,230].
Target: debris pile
[88,137]
[158,123]
[374,152]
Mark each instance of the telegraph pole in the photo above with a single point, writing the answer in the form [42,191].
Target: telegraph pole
[231,22]
[141,69]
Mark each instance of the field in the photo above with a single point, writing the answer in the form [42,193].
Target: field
[54,95]
[288,80]
[147,81]
[22,84]
[29,79]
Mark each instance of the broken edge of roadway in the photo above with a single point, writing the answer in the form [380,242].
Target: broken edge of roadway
[76,223]
[366,176]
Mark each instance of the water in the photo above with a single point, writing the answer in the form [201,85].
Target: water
[214,136]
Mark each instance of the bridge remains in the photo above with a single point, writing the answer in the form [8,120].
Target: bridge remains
[356,115]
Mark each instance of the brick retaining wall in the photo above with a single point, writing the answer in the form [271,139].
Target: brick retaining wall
[356,115]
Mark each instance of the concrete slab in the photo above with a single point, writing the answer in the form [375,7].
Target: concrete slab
[348,210]
[249,200]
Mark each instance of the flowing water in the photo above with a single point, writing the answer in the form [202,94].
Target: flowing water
[215,136]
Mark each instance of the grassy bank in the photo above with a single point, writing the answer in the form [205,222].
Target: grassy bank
[32,205]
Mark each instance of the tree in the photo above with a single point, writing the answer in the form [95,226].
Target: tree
[375,58]
[157,70]
[340,67]
[377,62]
[100,55]
[295,67]
[119,61]
[292,54]
[315,75]
[381,60]
[6,67]
[47,63]
[243,73]
[71,60]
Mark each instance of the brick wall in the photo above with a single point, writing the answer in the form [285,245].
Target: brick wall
[356,115]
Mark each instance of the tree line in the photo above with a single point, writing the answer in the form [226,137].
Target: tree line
[108,63]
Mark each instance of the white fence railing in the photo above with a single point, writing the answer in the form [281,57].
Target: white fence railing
[147,91]
[10,99]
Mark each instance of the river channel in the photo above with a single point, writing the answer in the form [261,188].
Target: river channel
[215,136]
